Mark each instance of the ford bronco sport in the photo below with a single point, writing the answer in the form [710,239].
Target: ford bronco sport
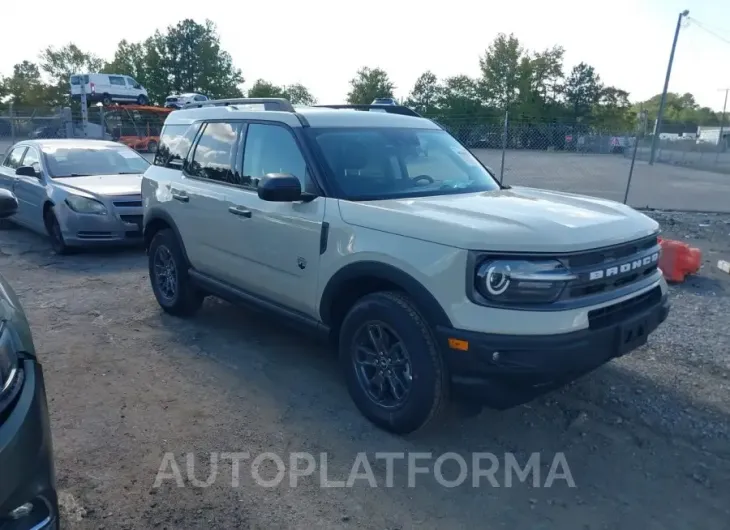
[382,231]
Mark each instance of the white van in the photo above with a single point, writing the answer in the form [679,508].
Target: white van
[108,88]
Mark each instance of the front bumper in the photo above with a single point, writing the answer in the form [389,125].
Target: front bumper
[121,226]
[27,473]
[503,371]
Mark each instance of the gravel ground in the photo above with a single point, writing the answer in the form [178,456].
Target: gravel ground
[646,438]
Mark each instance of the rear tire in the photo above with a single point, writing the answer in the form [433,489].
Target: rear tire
[151,146]
[55,235]
[106,100]
[169,277]
[142,100]
[409,334]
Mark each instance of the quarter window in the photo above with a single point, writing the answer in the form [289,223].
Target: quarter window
[174,145]
[13,159]
[214,153]
[271,149]
[32,159]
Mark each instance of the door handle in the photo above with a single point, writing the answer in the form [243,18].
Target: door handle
[237,210]
[180,196]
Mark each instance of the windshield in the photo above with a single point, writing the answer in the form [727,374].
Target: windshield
[84,161]
[386,163]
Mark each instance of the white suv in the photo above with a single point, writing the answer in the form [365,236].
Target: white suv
[381,231]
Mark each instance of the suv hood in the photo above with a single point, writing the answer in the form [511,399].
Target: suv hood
[514,220]
[104,184]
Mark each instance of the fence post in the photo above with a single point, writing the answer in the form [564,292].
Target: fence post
[631,169]
[504,145]
[101,123]
[67,121]
[12,122]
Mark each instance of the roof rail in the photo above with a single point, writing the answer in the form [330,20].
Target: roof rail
[279,104]
[390,109]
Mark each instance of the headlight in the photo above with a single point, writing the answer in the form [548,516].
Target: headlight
[85,205]
[8,359]
[521,281]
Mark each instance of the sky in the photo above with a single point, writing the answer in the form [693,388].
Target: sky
[322,43]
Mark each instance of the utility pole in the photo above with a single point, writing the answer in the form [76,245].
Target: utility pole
[720,139]
[658,124]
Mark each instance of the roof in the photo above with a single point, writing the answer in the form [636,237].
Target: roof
[70,143]
[315,116]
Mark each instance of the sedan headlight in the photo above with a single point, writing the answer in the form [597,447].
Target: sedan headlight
[8,359]
[85,205]
[521,281]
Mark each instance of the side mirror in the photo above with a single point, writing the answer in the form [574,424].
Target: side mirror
[26,171]
[137,86]
[280,187]
[8,204]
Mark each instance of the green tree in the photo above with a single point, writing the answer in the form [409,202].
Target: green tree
[460,99]
[613,111]
[156,77]
[582,90]
[679,109]
[264,89]
[193,60]
[369,84]
[59,64]
[297,93]
[25,87]
[129,59]
[500,67]
[426,95]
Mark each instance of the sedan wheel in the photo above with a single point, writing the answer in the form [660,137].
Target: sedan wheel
[55,235]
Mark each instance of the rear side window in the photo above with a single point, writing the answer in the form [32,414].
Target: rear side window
[116,80]
[175,143]
[76,79]
[213,158]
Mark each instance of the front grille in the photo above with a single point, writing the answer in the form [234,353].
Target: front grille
[128,204]
[93,235]
[600,256]
[613,314]
[604,270]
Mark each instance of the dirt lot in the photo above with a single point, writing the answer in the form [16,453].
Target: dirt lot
[646,438]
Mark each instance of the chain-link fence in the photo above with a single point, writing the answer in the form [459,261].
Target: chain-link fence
[601,162]
[689,174]
[136,126]
[711,153]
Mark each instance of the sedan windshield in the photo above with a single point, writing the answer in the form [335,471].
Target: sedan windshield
[387,163]
[84,161]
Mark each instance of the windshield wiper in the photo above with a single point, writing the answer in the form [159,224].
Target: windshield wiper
[74,175]
[128,173]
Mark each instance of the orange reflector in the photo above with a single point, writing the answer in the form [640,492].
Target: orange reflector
[456,344]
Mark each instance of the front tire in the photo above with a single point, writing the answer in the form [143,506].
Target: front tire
[394,371]
[55,235]
[142,100]
[169,277]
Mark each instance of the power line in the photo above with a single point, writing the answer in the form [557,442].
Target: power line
[708,30]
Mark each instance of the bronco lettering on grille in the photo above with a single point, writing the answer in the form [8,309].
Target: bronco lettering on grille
[624,267]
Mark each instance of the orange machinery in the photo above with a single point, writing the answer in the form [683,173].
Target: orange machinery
[137,126]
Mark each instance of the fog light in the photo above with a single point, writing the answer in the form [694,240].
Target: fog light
[21,511]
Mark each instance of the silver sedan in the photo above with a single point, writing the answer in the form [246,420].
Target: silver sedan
[78,192]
